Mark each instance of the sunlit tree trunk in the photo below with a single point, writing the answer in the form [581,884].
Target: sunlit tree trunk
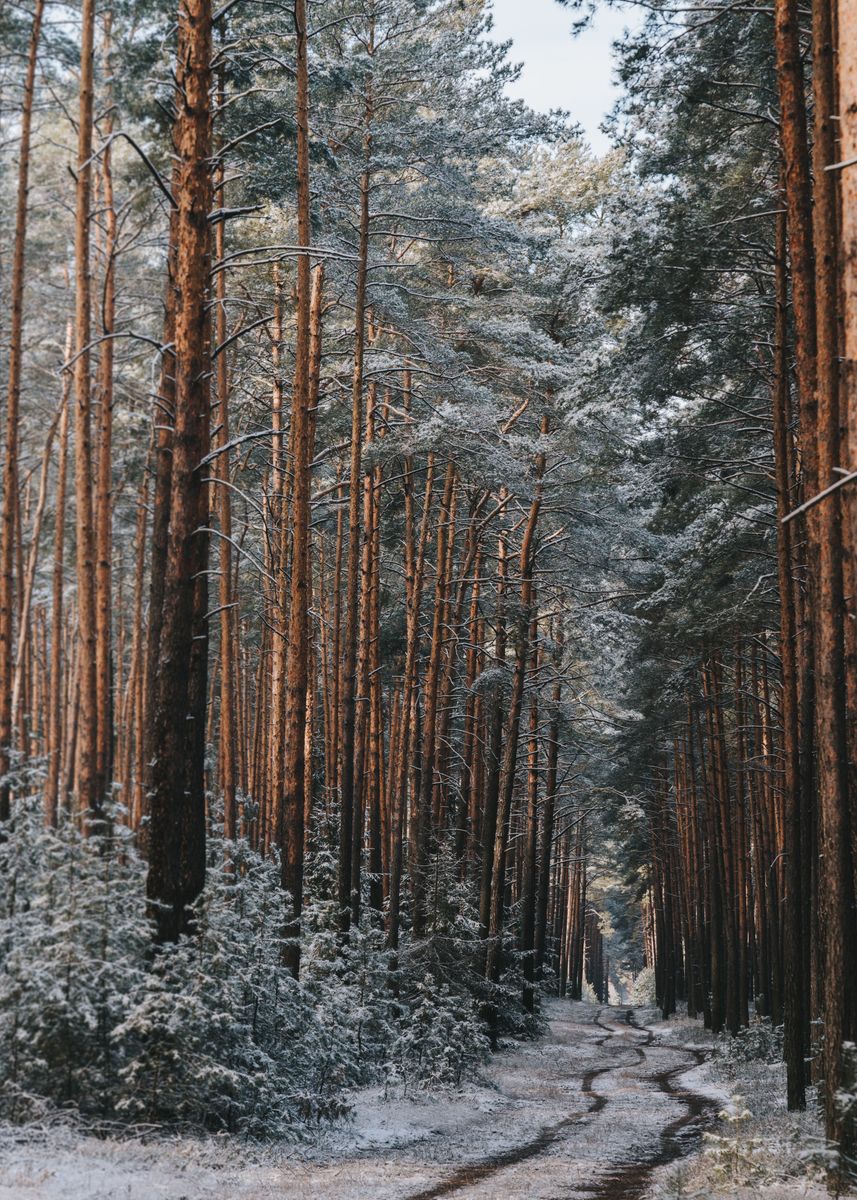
[415,553]
[89,795]
[549,806]
[349,870]
[28,575]
[431,684]
[55,699]
[227,731]
[513,723]
[528,906]
[494,749]
[13,398]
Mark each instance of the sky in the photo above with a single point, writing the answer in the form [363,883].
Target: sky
[561,71]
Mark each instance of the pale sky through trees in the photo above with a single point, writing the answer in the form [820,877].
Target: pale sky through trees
[561,71]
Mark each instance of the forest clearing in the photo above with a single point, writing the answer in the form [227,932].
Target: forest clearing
[428,600]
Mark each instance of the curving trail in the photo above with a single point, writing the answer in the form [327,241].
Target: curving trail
[628,1178]
[586,1113]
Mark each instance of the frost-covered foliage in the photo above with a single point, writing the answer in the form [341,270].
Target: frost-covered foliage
[212,1032]
[642,990]
[349,984]
[760,1042]
[74,941]
[443,1038]
[413,1019]
[219,1033]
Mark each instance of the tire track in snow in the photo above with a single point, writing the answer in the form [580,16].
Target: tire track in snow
[629,1179]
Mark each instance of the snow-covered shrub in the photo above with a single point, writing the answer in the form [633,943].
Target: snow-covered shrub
[441,1040]
[349,983]
[587,993]
[760,1042]
[73,946]
[441,987]
[219,1034]
[642,989]
[733,1157]
[212,1032]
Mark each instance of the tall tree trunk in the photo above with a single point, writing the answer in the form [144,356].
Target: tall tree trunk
[835,866]
[494,749]
[297,656]
[846,78]
[350,809]
[104,475]
[13,399]
[414,568]
[133,766]
[510,756]
[846,60]
[795,1017]
[89,794]
[28,576]
[528,889]
[363,798]
[55,701]
[228,615]
[548,809]
[163,428]
[177,814]
[431,683]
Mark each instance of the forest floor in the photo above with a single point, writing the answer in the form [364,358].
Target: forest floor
[606,1106]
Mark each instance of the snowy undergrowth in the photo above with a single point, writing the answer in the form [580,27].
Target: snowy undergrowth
[213,1034]
[756,1148]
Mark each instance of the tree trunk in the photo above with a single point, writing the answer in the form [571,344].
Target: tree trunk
[297,656]
[104,476]
[28,577]
[528,896]
[527,556]
[163,428]
[795,1018]
[228,615]
[348,870]
[836,879]
[495,742]
[177,817]
[89,795]
[55,701]
[420,847]
[13,399]
[547,829]
[414,569]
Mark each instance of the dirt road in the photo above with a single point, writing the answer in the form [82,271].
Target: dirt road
[587,1112]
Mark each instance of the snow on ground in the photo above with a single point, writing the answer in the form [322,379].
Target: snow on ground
[756,1149]
[587,1111]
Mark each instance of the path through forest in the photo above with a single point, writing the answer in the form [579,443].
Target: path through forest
[586,1112]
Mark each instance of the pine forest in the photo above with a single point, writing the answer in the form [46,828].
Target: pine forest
[428,600]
